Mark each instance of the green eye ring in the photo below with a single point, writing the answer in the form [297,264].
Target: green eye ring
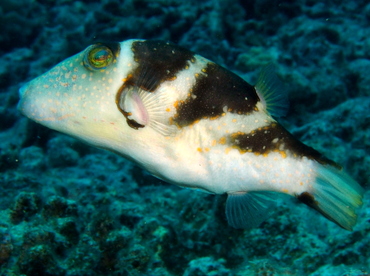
[98,57]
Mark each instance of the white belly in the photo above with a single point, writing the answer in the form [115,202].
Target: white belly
[198,159]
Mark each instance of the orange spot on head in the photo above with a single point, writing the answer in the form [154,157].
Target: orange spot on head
[168,109]
[128,77]
[234,120]
[284,191]
[199,149]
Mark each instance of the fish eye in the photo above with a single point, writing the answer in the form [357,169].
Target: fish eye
[98,57]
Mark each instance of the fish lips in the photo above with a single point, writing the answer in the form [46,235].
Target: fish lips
[23,102]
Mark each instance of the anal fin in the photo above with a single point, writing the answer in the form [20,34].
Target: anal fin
[248,209]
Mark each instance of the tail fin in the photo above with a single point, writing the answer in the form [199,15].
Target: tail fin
[335,195]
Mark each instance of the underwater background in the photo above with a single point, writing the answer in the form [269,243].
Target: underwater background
[70,209]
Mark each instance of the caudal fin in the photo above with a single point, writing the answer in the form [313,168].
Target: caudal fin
[335,195]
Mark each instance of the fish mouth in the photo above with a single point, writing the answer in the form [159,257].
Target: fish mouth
[24,99]
[23,89]
[34,108]
[22,94]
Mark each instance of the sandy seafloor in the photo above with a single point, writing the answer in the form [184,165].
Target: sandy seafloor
[70,209]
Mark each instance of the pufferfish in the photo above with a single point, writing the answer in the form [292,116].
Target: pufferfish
[192,123]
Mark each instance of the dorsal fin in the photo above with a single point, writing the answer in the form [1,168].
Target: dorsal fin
[272,92]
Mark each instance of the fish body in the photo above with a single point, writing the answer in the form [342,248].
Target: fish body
[192,123]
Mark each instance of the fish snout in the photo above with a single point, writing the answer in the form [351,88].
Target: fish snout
[22,97]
